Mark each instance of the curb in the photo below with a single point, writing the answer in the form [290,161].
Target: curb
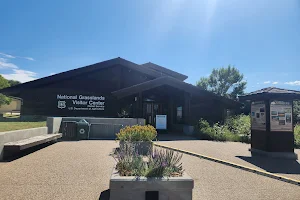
[249,169]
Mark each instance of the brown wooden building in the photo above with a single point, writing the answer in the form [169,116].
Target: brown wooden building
[120,88]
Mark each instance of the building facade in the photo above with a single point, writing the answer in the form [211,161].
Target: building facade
[120,88]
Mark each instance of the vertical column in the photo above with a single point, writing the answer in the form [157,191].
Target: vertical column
[268,124]
[186,108]
[170,113]
[139,105]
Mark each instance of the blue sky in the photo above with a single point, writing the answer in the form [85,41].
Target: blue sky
[260,37]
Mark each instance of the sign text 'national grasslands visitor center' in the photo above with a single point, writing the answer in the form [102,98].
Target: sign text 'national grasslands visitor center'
[81,102]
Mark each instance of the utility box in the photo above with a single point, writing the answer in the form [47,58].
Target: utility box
[83,129]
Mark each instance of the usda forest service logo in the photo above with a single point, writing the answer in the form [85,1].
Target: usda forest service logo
[61,104]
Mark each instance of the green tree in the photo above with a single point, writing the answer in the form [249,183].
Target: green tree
[13,82]
[3,84]
[225,82]
[296,111]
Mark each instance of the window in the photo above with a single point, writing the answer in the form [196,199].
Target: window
[179,114]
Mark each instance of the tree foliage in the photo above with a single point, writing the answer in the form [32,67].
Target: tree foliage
[3,84]
[296,111]
[225,82]
[13,82]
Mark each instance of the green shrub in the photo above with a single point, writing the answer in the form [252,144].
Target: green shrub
[239,124]
[236,129]
[159,163]
[227,132]
[297,136]
[137,133]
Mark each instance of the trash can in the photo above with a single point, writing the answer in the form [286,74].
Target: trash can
[83,129]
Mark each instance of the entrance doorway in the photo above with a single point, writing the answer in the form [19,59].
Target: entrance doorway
[150,110]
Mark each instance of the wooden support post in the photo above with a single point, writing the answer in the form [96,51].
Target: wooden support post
[187,108]
[139,105]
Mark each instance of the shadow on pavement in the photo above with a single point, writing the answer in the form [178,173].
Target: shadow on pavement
[104,195]
[174,137]
[11,156]
[274,165]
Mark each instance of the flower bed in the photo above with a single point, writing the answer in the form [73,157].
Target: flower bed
[158,175]
[159,163]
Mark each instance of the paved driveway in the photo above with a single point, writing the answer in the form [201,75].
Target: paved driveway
[237,152]
[81,170]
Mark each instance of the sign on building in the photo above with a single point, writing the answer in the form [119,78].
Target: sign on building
[281,116]
[258,115]
[80,102]
[161,122]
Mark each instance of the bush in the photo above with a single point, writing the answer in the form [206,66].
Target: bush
[236,129]
[159,163]
[137,133]
[239,124]
[297,136]
[230,131]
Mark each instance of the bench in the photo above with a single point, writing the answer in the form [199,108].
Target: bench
[30,142]
[15,111]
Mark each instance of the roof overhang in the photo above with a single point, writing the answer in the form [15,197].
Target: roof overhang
[79,71]
[165,71]
[170,81]
[271,93]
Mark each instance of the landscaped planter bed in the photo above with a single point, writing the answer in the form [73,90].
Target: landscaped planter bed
[168,188]
[143,172]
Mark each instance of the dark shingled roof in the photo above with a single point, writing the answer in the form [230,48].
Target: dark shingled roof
[271,92]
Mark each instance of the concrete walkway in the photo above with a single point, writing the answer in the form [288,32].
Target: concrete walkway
[238,153]
[81,170]
[64,170]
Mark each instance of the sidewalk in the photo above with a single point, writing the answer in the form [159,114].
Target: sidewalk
[238,153]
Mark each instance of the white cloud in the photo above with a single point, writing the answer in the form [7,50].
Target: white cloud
[267,82]
[274,83]
[5,64]
[21,75]
[292,83]
[28,58]
[7,55]
[257,83]
[11,56]
[52,73]
[16,73]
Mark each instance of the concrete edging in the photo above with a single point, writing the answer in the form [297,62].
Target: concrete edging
[131,187]
[15,135]
[257,171]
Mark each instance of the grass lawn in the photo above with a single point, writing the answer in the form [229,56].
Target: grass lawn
[10,126]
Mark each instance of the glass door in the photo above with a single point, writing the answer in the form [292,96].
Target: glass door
[150,110]
[147,111]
